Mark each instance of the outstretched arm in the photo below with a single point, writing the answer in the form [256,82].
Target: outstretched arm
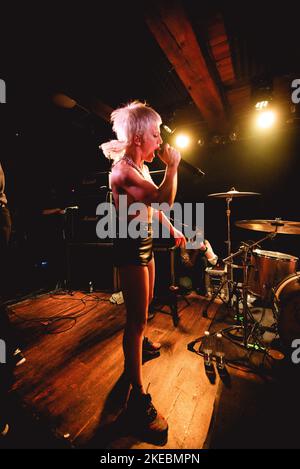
[177,235]
[163,219]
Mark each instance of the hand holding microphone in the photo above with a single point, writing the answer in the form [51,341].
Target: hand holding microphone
[170,155]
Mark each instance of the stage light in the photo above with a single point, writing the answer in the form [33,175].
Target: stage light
[216,139]
[265,114]
[260,105]
[233,136]
[167,129]
[265,119]
[64,101]
[182,141]
[262,93]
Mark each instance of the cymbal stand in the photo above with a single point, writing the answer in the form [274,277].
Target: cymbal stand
[249,324]
[228,242]
[229,274]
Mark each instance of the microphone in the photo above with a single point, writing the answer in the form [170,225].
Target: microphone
[193,169]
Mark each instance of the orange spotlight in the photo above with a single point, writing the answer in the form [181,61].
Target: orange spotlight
[182,141]
[266,119]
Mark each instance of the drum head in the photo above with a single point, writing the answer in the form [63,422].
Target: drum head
[267,269]
[289,321]
[274,255]
[289,309]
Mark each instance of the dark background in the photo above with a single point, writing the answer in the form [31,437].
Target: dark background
[51,156]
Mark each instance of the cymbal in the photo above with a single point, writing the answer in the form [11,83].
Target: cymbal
[232,193]
[270,226]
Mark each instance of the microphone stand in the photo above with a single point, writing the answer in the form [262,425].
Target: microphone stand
[68,233]
[110,200]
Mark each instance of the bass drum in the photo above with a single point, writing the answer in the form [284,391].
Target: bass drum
[287,299]
[267,269]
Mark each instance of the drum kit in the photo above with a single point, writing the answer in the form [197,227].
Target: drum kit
[270,277]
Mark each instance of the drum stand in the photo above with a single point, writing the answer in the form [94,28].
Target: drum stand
[233,290]
[228,242]
[249,327]
[232,286]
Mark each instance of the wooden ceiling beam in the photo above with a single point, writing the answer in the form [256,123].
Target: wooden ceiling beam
[238,94]
[220,49]
[174,34]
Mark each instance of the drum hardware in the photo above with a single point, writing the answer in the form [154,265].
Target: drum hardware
[249,332]
[271,226]
[229,195]
[232,194]
[267,269]
[217,280]
[285,300]
[285,295]
[287,307]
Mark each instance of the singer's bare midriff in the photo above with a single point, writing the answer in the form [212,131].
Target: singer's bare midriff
[144,215]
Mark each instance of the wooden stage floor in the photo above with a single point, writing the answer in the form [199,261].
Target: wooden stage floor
[71,378]
[71,387]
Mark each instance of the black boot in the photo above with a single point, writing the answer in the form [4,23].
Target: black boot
[145,419]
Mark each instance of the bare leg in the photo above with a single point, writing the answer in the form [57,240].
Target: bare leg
[151,270]
[135,287]
[136,282]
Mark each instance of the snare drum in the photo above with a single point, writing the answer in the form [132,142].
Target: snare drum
[287,302]
[267,269]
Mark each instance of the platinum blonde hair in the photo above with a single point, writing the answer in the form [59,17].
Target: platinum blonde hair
[132,119]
